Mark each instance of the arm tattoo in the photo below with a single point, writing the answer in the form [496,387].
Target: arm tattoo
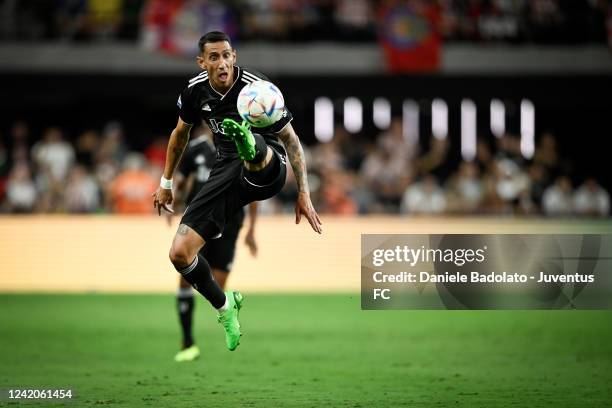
[296,158]
[182,229]
[178,151]
[182,139]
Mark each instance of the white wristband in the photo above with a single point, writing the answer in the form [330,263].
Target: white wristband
[165,183]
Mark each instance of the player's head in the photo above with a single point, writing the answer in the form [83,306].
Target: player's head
[217,57]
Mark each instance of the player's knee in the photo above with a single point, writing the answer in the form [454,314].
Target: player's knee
[180,257]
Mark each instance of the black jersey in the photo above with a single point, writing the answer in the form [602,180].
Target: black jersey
[199,158]
[200,101]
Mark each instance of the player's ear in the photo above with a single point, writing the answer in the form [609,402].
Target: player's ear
[200,62]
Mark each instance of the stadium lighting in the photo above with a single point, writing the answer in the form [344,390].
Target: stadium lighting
[439,119]
[410,121]
[382,113]
[527,128]
[498,118]
[468,129]
[353,114]
[324,119]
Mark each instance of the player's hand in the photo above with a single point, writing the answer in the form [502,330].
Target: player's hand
[304,206]
[162,199]
[249,240]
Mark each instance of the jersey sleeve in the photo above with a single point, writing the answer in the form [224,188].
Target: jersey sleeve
[186,106]
[276,127]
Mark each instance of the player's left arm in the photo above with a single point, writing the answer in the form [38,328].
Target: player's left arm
[298,162]
[249,240]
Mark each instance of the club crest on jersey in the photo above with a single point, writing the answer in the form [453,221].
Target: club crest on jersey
[214,126]
[206,107]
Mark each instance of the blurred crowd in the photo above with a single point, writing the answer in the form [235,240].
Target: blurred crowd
[96,172]
[514,21]
[392,175]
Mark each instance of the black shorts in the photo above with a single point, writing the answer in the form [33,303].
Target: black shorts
[220,252]
[227,190]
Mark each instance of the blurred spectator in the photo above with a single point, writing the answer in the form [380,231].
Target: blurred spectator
[53,157]
[395,144]
[355,20]
[491,202]
[510,183]
[537,185]
[156,18]
[156,152]
[266,19]
[130,192]
[509,147]
[104,17]
[327,157]
[19,143]
[386,178]
[347,148]
[87,20]
[87,146]
[484,157]
[547,155]
[53,154]
[82,194]
[194,18]
[335,194]
[434,160]
[464,189]
[20,191]
[591,199]
[424,197]
[557,199]
[112,147]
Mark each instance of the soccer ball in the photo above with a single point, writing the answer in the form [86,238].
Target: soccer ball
[261,104]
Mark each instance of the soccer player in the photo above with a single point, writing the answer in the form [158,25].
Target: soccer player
[249,167]
[194,169]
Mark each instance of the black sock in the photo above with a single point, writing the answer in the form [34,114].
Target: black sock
[266,175]
[199,275]
[185,306]
[261,149]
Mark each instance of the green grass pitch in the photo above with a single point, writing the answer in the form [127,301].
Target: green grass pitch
[304,351]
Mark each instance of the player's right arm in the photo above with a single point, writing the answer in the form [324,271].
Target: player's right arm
[295,153]
[176,145]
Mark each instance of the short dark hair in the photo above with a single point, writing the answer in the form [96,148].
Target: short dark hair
[212,37]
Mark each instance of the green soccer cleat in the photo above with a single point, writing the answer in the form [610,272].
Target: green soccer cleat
[229,319]
[188,354]
[241,136]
